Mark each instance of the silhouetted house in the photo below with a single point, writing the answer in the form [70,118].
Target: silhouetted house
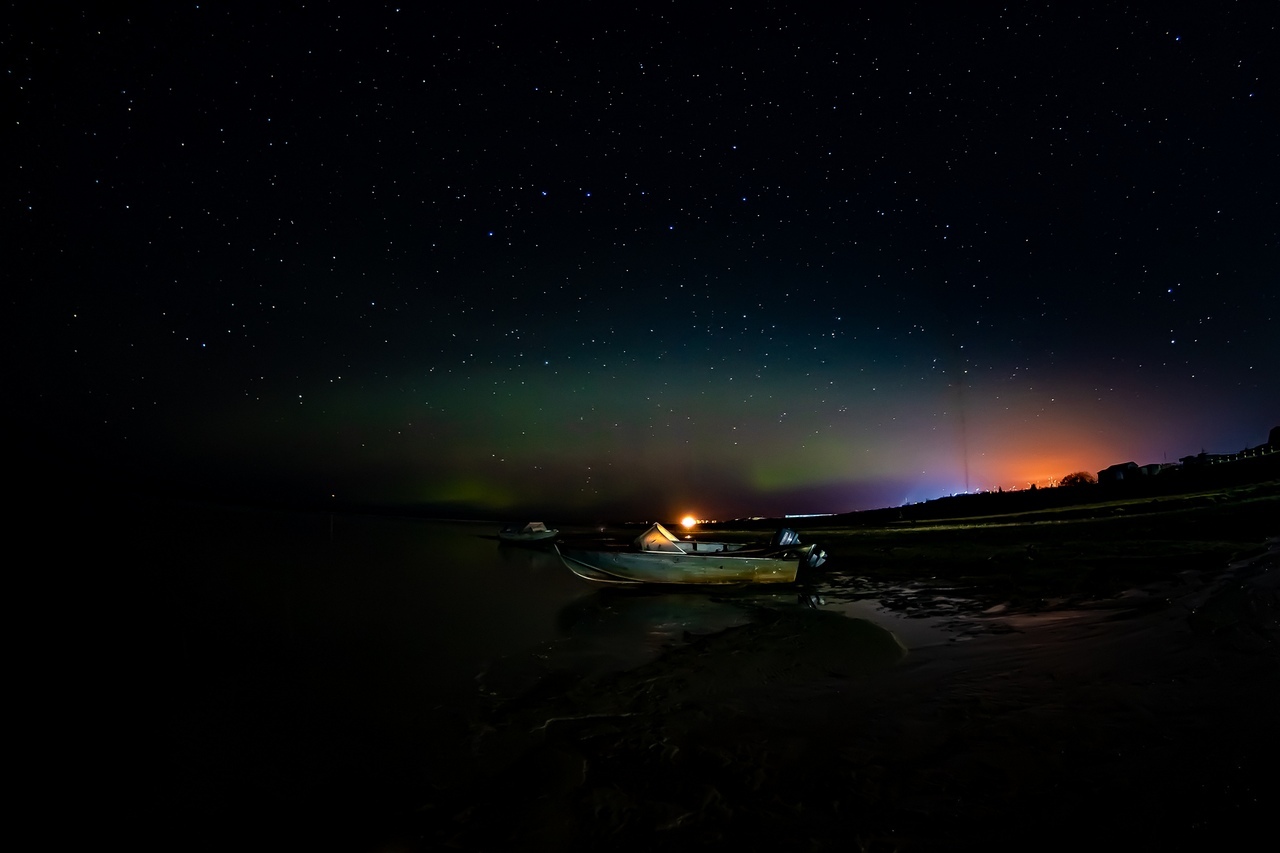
[1117,473]
[1203,458]
[1272,446]
[1153,469]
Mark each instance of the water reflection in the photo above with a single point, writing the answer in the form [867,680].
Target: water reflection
[537,559]
[920,614]
[656,619]
[609,629]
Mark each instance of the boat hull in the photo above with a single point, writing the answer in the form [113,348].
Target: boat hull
[635,568]
[545,537]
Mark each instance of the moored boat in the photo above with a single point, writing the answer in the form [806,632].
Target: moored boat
[533,532]
[659,557]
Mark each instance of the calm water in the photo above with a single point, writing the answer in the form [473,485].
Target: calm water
[314,673]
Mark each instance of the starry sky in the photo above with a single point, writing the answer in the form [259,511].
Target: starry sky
[551,260]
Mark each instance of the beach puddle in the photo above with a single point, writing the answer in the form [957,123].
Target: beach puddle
[920,615]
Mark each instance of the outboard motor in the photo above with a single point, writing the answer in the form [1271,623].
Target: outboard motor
[816,557]
[785,538]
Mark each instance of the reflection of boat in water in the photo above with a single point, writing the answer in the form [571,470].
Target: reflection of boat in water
[537,559]
[658,557]
[535,532]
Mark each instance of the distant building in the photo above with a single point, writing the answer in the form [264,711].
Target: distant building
[1120,472]
[1203,458]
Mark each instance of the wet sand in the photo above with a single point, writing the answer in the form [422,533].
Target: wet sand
[1148,720]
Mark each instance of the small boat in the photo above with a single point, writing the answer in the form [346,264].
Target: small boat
[659,557]
[534,531]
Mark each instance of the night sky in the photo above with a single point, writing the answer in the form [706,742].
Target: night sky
[548,260]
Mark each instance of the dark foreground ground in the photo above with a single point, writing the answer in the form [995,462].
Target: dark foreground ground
[1118,685]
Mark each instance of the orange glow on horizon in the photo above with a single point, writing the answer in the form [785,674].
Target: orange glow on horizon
[1043,472]
[688,521]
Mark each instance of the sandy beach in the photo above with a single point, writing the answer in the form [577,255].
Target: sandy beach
[1146,718]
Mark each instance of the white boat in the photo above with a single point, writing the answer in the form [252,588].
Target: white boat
[659,557]
[534,531]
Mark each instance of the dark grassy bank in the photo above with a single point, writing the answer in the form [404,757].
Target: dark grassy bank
[1072,551]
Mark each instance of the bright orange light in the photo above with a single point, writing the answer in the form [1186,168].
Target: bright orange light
[688,521]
